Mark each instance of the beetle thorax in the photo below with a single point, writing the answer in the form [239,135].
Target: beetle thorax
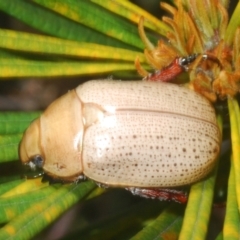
[61,137]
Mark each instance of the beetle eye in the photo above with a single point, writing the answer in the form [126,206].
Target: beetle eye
[36,162]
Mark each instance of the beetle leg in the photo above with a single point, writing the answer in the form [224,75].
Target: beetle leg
[185,61]
[211,57]
[47,178]
[175,68]
[163,194]
[102,185]
[53,180]
[166,74]
[33,176]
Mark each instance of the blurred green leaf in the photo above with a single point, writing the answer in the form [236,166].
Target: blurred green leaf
[233,25]
[34,43]
[15,122]
[132,12]
[9,147]
[24,68]
[48,207]
[103,21]
[55,24]
[231,228]
[166,226]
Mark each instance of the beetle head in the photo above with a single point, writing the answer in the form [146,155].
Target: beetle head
[29,150]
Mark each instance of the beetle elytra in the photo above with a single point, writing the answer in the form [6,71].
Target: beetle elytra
[132,134]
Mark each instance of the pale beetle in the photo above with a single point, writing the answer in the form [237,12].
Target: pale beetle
[137,135]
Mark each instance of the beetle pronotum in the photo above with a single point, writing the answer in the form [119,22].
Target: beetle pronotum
[133,134]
